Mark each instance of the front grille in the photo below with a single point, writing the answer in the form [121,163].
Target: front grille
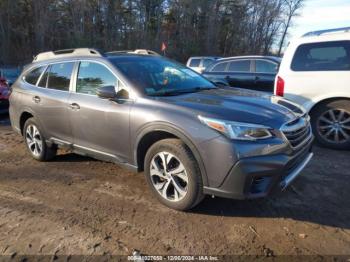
[297,131]
[295,162]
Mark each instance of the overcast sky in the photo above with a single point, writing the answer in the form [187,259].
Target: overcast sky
[321,14]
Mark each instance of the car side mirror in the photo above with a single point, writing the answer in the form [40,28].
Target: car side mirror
[106,92]
[122,94]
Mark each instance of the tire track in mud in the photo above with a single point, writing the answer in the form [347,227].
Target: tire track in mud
[76,205]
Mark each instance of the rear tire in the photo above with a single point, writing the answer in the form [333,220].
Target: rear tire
[331,124]
[178,185]
[36,143]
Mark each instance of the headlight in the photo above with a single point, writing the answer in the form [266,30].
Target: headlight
[237,130]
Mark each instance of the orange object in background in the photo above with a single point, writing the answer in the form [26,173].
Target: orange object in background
[164,47]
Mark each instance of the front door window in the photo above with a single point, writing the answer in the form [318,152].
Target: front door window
[92,76]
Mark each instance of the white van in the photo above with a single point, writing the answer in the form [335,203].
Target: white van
[315,73]
[200,63]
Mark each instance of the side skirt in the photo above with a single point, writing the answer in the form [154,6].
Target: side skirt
[99,155]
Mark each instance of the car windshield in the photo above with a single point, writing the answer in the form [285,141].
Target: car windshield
[159,76]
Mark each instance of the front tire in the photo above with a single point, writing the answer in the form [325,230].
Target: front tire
[331,124]
[35,142]
[173,174]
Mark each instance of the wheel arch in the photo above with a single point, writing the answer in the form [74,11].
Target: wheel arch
[325,101]
[25,115]
[154,133]
[321,138]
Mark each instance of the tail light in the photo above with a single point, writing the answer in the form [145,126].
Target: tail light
[280,86]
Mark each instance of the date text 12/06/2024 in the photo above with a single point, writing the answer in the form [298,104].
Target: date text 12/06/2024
[172,258]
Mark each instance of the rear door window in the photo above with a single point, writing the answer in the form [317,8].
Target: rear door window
[263,66]
[91,76]
[239,66]
[59,75]
[195,62]
[220,67]
[33,76]
[325,56]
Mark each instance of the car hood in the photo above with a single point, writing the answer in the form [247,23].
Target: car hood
[239,105]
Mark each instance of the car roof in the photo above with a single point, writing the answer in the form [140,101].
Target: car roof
[327,35]
[273,58]
[341,30]
[82,54]
[87,53]
[203,57]
[125,55]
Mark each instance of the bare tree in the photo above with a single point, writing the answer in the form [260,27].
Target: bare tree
[292,8]
[189,27]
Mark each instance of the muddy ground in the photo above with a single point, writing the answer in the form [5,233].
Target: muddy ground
[76,205]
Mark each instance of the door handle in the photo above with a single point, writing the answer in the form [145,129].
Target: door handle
[74,106]
[36,99]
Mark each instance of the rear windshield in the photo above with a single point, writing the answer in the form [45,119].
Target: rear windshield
[156,75]
[325,56]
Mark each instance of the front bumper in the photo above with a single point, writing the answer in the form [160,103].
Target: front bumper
[258,176]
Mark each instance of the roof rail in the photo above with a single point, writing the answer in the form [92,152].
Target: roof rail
[119,52]
[321,32]
[145,52]
[137,51]
[66,53]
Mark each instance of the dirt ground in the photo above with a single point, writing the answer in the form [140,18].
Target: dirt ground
[78,206]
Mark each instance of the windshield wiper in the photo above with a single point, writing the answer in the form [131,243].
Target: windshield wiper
[180,92]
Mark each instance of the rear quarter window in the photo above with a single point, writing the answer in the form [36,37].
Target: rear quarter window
[324,56]
[33,76]
[195,62]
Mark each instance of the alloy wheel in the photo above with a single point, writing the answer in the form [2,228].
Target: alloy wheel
[169,176]
[334,126]
[34,140]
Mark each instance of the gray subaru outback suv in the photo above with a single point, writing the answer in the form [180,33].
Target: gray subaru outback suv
[151,114]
